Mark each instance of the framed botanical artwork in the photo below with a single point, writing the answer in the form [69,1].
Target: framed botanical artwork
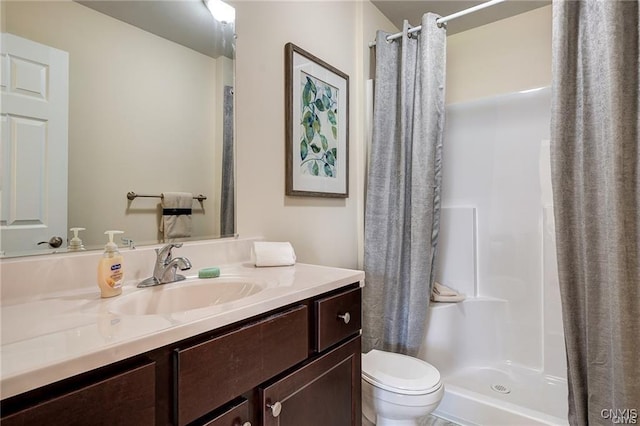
[317,126]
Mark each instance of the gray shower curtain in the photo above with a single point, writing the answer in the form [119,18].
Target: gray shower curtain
[227,188]
[596,186]
[403,188]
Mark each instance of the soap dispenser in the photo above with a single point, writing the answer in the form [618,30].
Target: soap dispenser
[75,244]
[110,268]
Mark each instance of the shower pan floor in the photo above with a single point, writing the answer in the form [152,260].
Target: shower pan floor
[504,395]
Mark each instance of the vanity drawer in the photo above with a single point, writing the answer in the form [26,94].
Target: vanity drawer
[237,415]
[124,398]
[337,317]
[214,372]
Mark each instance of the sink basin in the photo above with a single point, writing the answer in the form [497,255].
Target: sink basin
[185,296]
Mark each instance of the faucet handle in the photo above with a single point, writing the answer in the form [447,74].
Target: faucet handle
[164,253]
[129,242]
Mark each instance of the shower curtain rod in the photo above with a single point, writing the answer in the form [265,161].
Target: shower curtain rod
[444,20]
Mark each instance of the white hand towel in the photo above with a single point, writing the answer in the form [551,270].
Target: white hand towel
[273,254]
[442,293]
[176,214]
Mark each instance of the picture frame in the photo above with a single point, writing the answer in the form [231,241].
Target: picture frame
[317,126]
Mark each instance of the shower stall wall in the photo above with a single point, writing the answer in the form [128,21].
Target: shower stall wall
[501,351]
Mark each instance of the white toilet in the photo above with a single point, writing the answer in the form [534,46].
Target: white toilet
[397,390]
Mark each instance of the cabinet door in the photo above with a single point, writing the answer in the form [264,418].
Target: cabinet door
[323,392]
[126,398]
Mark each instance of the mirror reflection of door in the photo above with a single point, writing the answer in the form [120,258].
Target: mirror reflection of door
[34,134]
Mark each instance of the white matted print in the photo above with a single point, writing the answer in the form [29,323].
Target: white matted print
[317,112]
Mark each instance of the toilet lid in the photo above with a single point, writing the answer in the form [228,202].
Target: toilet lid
[399,373]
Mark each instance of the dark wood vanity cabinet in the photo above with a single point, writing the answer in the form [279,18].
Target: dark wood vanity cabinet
[299,365]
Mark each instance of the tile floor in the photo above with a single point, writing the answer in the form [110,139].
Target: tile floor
[427,421]
[436,421]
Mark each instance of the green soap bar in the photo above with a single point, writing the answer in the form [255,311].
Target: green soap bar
[212,272]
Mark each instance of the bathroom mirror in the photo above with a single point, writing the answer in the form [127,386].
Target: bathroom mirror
[150,110]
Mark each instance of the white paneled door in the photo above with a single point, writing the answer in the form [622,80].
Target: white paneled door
[34,133]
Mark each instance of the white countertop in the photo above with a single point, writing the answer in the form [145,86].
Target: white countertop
[68,333]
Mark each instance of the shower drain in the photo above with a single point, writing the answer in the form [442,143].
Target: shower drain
[500,388]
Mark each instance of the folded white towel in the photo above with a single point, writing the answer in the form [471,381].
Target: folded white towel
[273,254]
[176,214]
[441,293]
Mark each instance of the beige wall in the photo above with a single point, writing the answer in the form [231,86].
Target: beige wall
[323,231]
[506,56]
[134,125]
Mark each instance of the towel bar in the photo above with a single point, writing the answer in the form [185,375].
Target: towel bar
[132,196]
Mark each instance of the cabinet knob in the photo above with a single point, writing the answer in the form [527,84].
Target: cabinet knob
[276,407]
[345,317]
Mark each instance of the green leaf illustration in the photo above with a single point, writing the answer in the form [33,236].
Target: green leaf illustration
[330,157]
[309,92]
[306,94]
[315,148]
[334,152]
[325,143]
[314,169]
[334,130]
[307,122]
[309,133]
[326,102]
[332,117]
[316,124]
[320,105]
[327,90]
[313,86]
[327,170]
[304,149]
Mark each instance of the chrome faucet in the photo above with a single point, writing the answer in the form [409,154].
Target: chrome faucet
[166,267]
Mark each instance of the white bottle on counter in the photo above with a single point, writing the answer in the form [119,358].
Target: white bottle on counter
[76,243]
[110,268]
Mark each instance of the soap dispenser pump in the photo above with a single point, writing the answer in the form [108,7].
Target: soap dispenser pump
[75,244]
[110,268]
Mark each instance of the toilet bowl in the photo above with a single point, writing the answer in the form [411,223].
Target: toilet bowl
[398,390]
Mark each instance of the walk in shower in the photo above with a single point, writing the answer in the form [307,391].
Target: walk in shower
[501,351]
